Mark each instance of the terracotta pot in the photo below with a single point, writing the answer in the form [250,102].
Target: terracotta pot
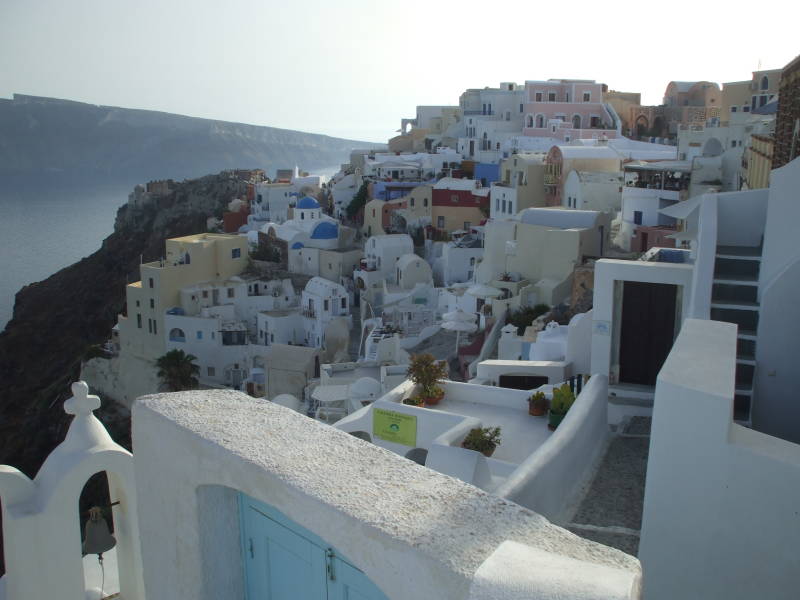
[536,411]
[434,400]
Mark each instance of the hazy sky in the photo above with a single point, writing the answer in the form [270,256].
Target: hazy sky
[355,68]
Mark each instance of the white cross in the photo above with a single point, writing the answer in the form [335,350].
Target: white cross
[81,402]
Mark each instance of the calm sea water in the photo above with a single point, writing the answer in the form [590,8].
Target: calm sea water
[45,230]
[42,232]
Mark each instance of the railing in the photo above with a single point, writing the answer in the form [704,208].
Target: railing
[311,314]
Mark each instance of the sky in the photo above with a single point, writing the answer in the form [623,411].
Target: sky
[353,68]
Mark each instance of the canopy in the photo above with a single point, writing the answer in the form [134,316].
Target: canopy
[459,326]
[460,315]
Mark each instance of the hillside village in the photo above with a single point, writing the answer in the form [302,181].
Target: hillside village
[570,319]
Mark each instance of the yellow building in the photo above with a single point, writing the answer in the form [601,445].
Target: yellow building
[525,172]
[188,260]
[758,161]
[741,97]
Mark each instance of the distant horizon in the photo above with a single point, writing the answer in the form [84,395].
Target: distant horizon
[355,68]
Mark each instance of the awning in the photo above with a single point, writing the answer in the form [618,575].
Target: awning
[681,210]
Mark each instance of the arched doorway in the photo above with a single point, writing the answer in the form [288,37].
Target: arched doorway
[641,126]
[576,122]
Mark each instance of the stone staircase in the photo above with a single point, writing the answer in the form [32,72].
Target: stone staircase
[734,299]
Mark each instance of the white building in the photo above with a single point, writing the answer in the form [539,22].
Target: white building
[322,302]
[503,205]
[601,191]
[309,226]
[455,261]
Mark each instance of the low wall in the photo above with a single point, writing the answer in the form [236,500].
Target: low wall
[555,371]
[720,508]
[549,479]
[414,532]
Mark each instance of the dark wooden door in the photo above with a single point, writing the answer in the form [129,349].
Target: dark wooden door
[647,330]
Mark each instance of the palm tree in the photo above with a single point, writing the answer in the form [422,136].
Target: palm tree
[177,370]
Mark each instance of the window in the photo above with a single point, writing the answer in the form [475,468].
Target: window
[302,216]
[151,279]
[325,305]
[587,96]
[330,266]
[440,222]
[177,335]
[764,83]
[540,121]
[471,261]
[530,121]
[566,96]
[637,217]
[199,335]
[412,201]
[467,225]
[497,203]
[504,206]
[425,202]
[205,293]
[453,197]
[137,303]
[551,96]
[211,372]
[538,96]
[734,109]
[236,253]
[746,108]
[762,100]
[520,107]
[231,292]
[152,303]
[139,321]
[344,302]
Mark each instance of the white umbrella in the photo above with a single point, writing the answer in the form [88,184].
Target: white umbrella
[459,315]
[484,291]
[458,327]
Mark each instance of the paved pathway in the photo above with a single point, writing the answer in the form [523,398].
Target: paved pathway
[611,510]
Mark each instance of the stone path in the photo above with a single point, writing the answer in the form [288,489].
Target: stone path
[611,510]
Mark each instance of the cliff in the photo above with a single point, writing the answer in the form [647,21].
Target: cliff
[56,320]
[73,142]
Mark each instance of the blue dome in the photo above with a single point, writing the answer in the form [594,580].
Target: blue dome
[307,202]
[297,245]
[325,231]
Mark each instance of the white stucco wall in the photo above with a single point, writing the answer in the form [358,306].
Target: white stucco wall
[720,507]
[550,478]
[411,544]
[775,407]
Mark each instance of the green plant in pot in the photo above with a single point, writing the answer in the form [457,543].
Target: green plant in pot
[563,397]
[427,372]
[482,439]
[537,404]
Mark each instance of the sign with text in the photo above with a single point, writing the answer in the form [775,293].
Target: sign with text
[394,427]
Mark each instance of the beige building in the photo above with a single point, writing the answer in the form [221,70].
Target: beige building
[290,369]
[758,161]
[188,260]
[541,248]
[525,172]
[560,160]
[418,209]
[741,97]
[413,141]
[623,103]
[378,215]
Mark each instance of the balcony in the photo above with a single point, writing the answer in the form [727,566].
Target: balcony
[309,313]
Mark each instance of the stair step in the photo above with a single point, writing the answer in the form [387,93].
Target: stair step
[739,252]
[749,280]
[734,305]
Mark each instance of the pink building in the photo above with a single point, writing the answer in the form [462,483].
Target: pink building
[567,109]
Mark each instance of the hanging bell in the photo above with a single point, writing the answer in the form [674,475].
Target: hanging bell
[97,538]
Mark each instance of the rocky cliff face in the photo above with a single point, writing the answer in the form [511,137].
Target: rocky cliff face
[56,320]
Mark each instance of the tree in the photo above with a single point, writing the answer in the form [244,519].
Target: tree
[358,201]
[177,370]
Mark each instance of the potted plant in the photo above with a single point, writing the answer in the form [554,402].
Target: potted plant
[427,373]
[537,404]
[413,401]
[482,439]
[563,397]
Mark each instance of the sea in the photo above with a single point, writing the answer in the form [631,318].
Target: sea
[43,231]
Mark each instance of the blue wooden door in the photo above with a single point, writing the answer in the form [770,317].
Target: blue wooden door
[284,561]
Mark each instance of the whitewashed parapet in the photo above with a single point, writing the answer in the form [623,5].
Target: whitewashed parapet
[414,532]
[41,530]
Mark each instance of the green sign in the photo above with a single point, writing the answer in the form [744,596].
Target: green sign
[394,427]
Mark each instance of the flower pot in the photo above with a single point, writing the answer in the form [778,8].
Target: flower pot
[535,410]
[554,419]
[434,400]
